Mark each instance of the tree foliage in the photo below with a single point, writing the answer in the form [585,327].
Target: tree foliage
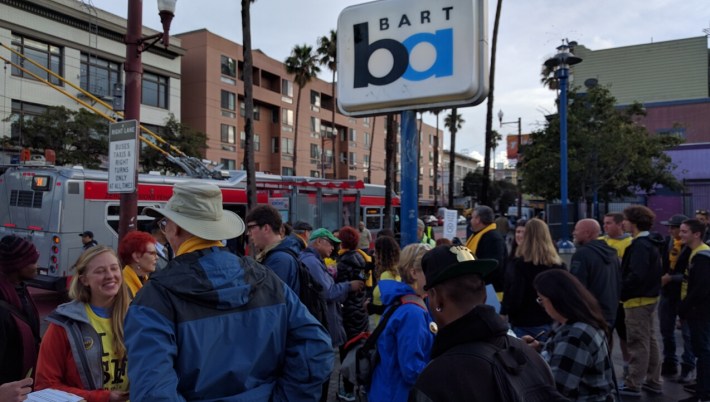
[191,142]
[328,56]
[303,64]
[501,193]
[77,137]
[608,151]
[453,121]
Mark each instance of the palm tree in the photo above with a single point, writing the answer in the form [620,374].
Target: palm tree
[485,182]
[390,155]
[453,122]
[303,64]
[372,141]
[436,112]
[248,105]
[327,50]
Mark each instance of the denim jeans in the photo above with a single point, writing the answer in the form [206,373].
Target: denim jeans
[667,314]
[700,336]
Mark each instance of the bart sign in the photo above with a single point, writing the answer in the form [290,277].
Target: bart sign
[398,55]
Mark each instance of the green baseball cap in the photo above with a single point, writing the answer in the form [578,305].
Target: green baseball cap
[323,232]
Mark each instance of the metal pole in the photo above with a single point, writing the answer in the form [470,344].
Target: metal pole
[563,74]
[520,189]
[409,174]
[133,67]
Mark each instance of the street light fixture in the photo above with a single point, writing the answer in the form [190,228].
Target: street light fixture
[517,155]
[136,44]
[560,63]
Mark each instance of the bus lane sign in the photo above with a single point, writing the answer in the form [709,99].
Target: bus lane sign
[123,164]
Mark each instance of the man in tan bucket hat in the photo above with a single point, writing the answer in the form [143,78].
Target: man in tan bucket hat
[215,326]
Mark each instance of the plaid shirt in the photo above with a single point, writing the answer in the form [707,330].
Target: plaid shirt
[578,356]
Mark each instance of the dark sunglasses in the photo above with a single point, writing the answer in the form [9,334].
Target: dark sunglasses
[701,212]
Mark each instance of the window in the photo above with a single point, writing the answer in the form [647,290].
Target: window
[44,54]
[228,134]
[352,134]
[352,158]
[328,156]
[431,139]
[275,115]
[315,98]
[275,145]
[431,173]
[366,161]
[315,173]
[366,121]
[228,164]
[315,151]
[155,90]
[242,110]
[431,156]
[98,75]
[22,112]
[287,146]
[286,171]
[367,139]
[342,134]
[229,66]
[286,88]
[315,127]
[256,140]
[228,100]
[287,117]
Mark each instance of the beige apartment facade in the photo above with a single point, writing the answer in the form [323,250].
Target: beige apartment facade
[213,102]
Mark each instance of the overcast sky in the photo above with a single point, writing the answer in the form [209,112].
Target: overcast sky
[530,30]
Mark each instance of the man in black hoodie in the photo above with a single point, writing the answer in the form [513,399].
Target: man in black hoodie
[641,270]
[596,265]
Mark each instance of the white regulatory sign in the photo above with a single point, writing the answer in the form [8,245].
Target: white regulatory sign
[450,222]
[123,138]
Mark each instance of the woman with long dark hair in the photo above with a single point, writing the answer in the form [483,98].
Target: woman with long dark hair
[534,255]
[577,351]
[386,260]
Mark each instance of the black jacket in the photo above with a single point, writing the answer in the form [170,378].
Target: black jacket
[672,288]
[455,373]
[351,266]
[519,298]
[597,266]
[696,304]
[641,267]
[492,247]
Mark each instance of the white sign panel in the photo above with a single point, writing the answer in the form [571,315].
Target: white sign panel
[450,223]
[412,54]
[123,138]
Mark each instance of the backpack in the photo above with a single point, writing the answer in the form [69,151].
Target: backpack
[309,291]
[513,374]
[362,355]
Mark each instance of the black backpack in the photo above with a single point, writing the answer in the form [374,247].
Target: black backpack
[310,292]
[513,374]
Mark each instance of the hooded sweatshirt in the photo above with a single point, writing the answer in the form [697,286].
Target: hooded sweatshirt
[283,260]
[641,270]
[213,326]
[404,346]
[597,266]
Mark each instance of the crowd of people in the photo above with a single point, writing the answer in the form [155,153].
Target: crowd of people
[174,314]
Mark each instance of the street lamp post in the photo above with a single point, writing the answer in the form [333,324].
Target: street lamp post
[520,141]
[136,44]
[560,63]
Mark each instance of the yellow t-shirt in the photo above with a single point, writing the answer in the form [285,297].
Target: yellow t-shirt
[619,244]
[115,375]
[377,295]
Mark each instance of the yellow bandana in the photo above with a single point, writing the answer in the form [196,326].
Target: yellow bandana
[195,243]
[472,242]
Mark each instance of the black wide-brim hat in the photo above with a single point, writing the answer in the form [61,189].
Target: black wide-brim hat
[447,262]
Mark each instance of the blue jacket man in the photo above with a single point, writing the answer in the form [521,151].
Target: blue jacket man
[216,327]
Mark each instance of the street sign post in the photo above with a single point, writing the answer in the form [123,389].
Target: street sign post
[123,164]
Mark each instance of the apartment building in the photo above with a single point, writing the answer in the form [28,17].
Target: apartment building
[85,46]
[212,70]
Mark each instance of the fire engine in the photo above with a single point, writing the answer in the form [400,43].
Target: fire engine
[52,205]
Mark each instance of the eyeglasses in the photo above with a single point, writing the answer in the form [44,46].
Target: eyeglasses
[701,212]
[539,300]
